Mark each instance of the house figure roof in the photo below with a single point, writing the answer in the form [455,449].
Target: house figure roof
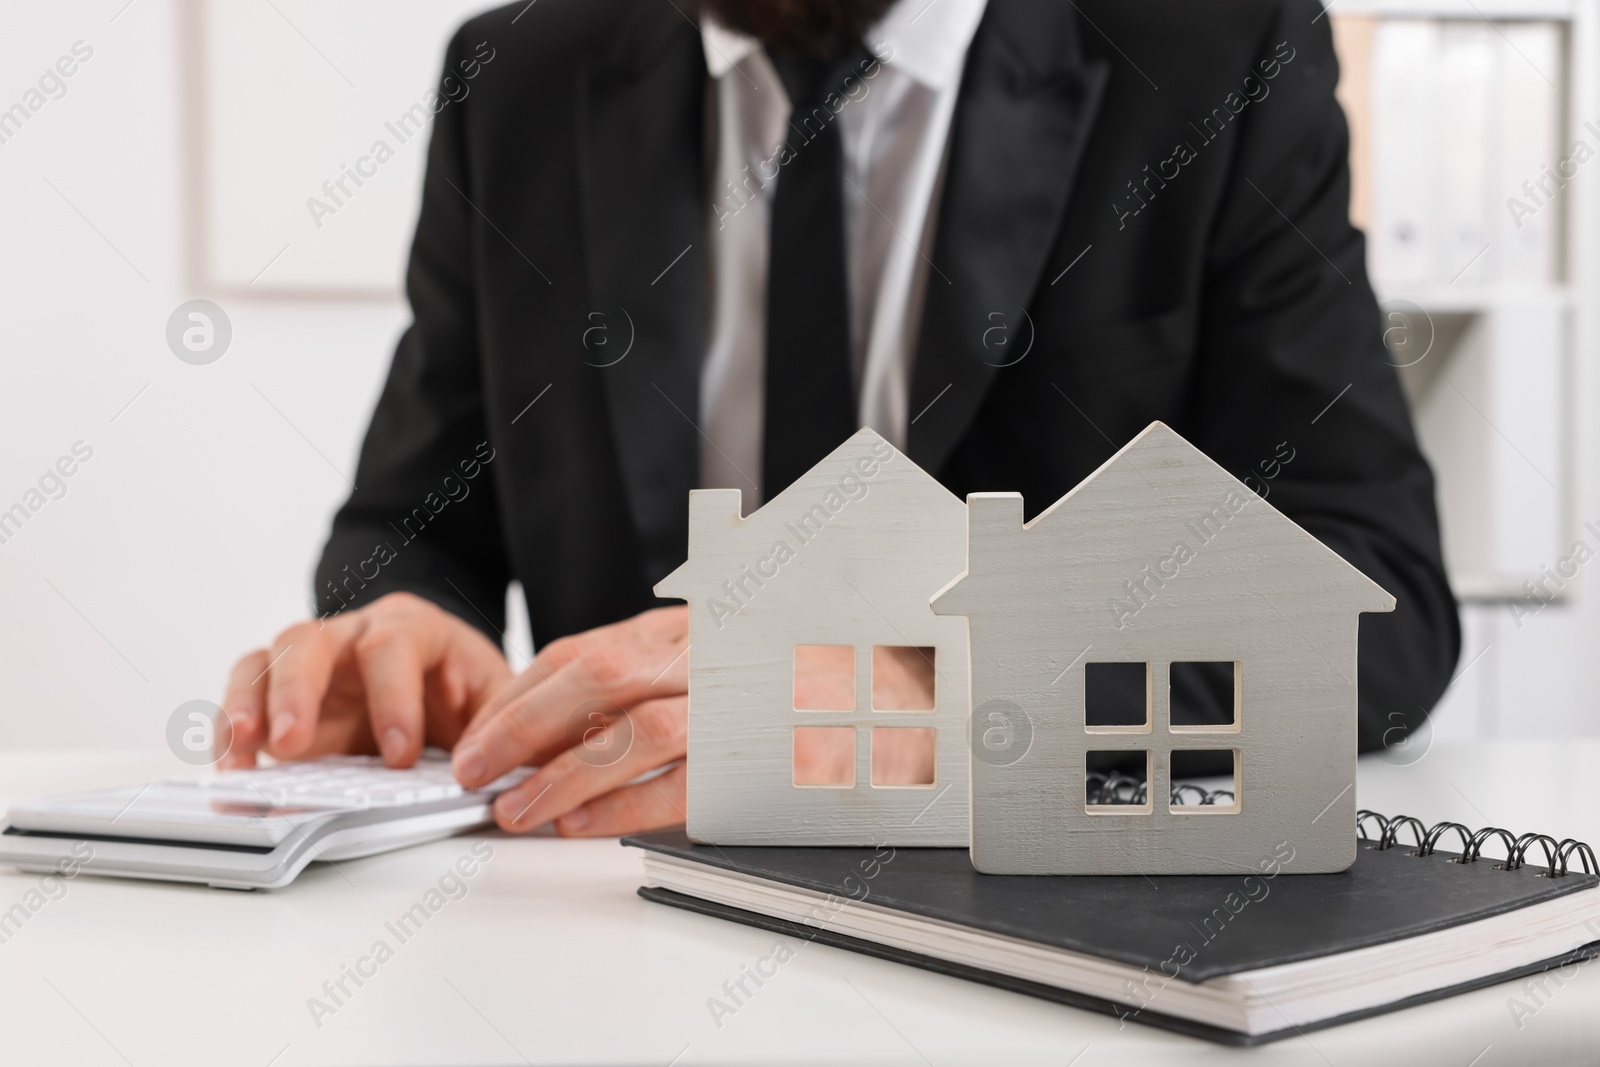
[1226,537]
[866,503]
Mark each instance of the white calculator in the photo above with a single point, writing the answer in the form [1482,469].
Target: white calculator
[248,829]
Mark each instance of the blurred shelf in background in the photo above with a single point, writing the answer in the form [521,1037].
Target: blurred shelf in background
[1470,145]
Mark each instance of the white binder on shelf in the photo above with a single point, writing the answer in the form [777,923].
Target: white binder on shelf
[1404,239]
[1460,169]
[1527,218]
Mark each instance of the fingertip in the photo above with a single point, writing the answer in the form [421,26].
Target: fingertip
[509,819]
[282,726]
[237,742]
[505,814]
[395,744]
[241,725]
[225,744]
[469,765]
[574,822]
[289,736]
[290,707]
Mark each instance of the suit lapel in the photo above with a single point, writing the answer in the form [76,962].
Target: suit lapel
[641,161]
[1028,101]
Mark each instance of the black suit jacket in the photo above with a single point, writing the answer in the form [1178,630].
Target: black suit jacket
[1144,217]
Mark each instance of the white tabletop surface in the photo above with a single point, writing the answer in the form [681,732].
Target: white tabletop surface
[551,958]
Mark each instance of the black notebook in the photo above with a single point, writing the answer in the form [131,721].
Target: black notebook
[1237,959]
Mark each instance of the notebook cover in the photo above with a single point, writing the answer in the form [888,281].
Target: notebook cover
[1254,921]
[1187,1027]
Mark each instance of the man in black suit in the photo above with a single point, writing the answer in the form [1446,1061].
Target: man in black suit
[661,250]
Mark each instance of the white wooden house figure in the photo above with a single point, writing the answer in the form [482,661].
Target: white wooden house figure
[843,565]
[1159,560]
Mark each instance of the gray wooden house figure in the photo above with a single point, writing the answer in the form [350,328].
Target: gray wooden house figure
[835,574]
[1092,629]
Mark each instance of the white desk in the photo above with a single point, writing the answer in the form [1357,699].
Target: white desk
[551,958]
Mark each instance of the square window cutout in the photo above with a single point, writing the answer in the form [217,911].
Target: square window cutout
[1205,697]
[824,678]
[1116,696]
[1205,782]
[904,755]
[825,756]
[902,678]
[1115,783]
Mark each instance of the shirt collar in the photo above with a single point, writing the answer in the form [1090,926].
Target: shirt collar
[927,39]
[725,48]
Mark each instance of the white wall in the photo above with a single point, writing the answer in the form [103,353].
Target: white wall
[190,535]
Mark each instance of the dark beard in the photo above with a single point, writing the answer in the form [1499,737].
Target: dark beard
[822,28]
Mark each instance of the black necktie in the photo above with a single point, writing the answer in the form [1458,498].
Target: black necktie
[810,398]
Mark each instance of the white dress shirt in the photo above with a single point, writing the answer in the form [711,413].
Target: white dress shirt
[894,129]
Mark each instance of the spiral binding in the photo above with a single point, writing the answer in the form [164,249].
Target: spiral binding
[1118,788]
[1557,854]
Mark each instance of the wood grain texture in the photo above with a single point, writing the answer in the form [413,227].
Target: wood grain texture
[1160,556]
[850,554]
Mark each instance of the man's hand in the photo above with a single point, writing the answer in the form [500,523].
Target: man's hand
[391,677]
[599,709]
[594,711]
